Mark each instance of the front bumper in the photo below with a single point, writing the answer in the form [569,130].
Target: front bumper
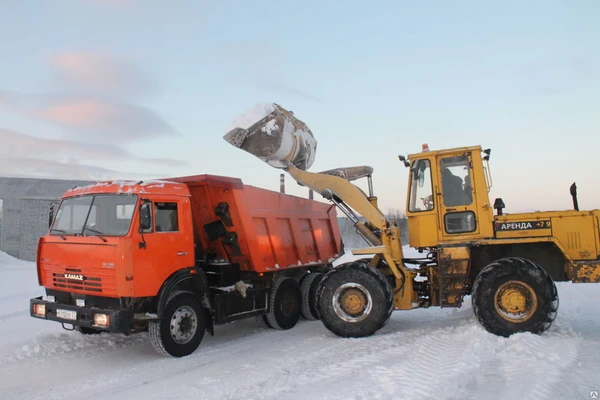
[120,321]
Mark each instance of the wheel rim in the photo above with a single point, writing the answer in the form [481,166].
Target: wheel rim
[183,324]
[515,301]
[352,302]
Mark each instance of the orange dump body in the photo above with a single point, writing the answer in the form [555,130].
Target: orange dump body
[260,229]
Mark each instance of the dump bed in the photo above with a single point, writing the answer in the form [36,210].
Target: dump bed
[260,229]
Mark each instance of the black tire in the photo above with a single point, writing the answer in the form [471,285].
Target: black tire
[285,304]
[181,327]
[514,295]
[87,331]
[309,287]
[354,282]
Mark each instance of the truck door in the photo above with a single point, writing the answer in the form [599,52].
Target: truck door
[165,247]
[458,204]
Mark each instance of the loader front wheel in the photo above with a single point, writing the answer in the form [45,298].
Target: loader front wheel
[514,295]
[354,300]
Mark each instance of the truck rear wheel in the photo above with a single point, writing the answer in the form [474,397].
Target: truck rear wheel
[285,304]
[309,287]
[514,295]
[354,300]
[181,327]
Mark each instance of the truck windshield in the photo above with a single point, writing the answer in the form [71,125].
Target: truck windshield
[108,215]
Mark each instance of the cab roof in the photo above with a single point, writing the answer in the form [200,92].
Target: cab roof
[168,186]
[130,187]
[445,151]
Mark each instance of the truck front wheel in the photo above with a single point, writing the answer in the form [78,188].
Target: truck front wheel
[514,295]
[180,329]
[354,300]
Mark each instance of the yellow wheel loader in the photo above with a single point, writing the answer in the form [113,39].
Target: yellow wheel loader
[508,263]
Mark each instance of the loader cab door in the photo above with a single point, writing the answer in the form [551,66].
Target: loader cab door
[457,210]
[422,204]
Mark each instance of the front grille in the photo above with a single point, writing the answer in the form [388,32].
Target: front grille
[88,284]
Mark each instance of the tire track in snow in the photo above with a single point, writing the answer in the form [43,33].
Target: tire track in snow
[143,367]
[341,360]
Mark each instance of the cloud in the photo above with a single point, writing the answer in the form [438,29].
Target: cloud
[99,73]
[263,66]
[90,118]
[16,144]
[41,168]
[92,105]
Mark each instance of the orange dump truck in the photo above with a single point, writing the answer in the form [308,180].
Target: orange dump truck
[176,257]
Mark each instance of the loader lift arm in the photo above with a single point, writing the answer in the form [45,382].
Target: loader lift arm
[348,197]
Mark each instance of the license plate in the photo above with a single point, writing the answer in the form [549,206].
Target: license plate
[66,314]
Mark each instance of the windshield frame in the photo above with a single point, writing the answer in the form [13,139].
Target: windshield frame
[89,201]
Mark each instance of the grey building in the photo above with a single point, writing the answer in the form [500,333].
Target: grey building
[24,206]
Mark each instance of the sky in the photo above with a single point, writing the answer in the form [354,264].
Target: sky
[102,89]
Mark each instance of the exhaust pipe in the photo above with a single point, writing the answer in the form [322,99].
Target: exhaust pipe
[573,190]
[274,135]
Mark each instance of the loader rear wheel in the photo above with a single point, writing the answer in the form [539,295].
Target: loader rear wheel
[514,295]
[309,287]
[354,300]
[285,304]
[181,327]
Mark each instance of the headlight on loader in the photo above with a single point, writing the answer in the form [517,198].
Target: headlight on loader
[101,320]
[39,310]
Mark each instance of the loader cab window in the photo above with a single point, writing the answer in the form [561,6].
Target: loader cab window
[421,188]
[456,181]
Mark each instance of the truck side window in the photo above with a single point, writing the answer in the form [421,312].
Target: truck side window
[456,181]
[421,189]
[166,217]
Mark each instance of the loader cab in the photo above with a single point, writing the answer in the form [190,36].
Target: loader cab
[448,196]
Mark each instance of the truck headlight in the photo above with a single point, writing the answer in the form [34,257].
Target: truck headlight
[101,319]
[39,309]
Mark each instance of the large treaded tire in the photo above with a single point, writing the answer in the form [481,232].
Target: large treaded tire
[363,279]
[189,308]
[285,304]
[524,272]
[309,287]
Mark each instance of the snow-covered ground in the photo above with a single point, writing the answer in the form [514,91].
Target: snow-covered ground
[420,354]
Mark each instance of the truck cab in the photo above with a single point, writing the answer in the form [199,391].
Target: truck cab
[114,241]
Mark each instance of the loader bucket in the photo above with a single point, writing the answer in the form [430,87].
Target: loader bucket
[273,134]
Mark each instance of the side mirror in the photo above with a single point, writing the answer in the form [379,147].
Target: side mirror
[50,215]
[145,216]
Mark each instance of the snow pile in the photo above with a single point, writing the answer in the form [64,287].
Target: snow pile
[251,116]
[6,260]
[420,354]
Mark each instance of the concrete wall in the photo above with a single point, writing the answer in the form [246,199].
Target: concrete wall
[25,206]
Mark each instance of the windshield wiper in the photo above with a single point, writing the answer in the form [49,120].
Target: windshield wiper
[59,231]
[97,234]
